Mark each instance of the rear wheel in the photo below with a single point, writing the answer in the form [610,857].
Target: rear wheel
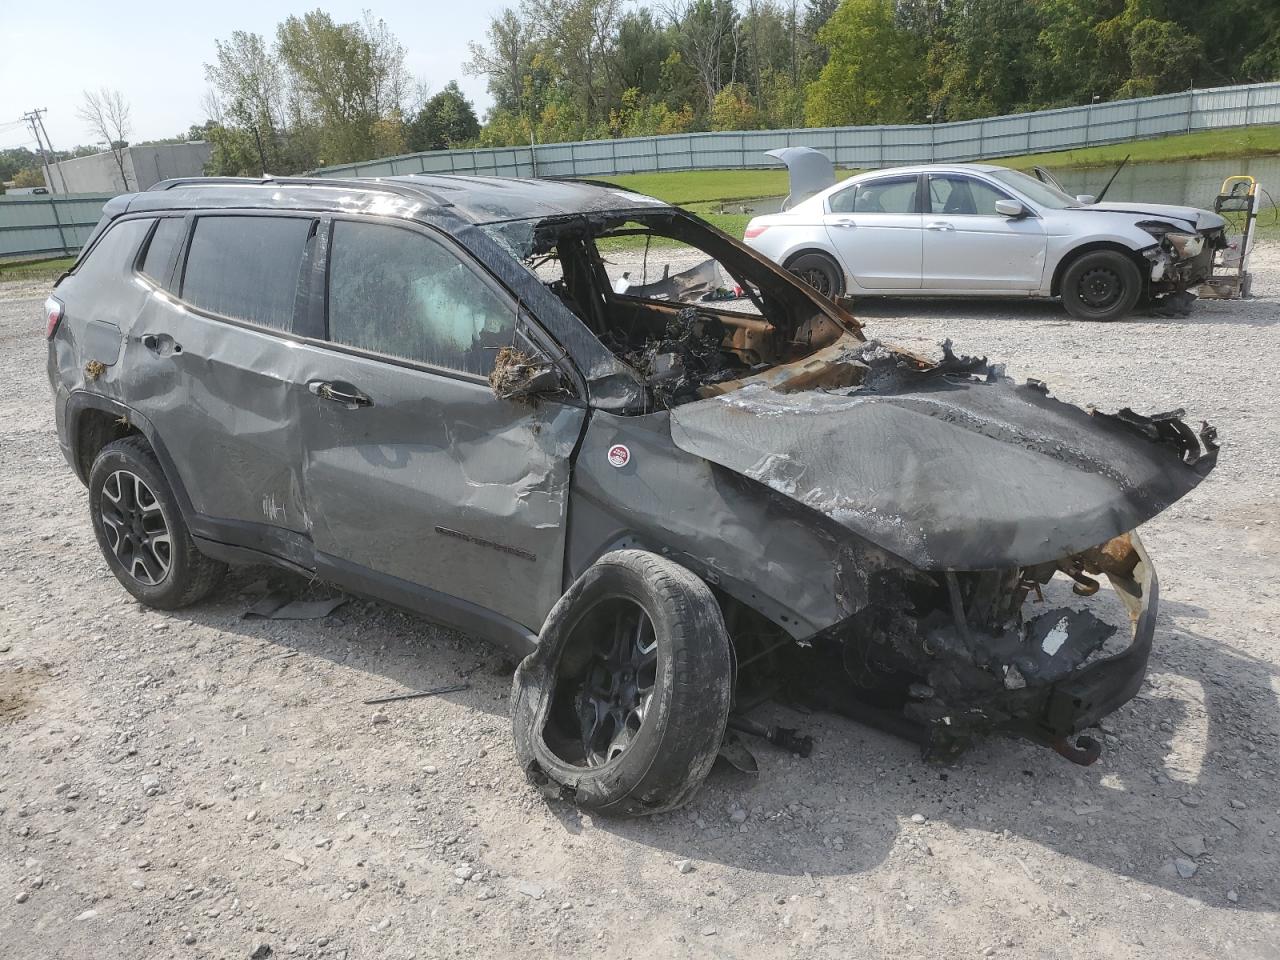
[1102,285]
[820,272]
[141,531]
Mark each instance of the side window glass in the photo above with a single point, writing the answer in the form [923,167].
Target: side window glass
[162,246]
[113,255]
[963,196]
[397,292]
[842,202]
[246,267]
[890,195]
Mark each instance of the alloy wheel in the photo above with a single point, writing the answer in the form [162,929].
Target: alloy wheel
[618,684]
[135,527]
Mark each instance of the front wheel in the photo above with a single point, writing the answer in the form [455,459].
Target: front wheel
[1102,285]
[820,272]
[623,705]
[141,531]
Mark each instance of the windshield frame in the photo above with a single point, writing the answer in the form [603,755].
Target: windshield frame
[1036,191]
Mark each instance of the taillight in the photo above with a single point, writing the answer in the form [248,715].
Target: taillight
[53,316]
[754,230]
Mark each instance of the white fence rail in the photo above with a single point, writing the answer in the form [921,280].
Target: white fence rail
[34,226]
[861,147]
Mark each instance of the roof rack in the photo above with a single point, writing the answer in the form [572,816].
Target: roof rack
[400,188]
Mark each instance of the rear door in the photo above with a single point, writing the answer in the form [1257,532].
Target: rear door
[211,359]
[875,227]
[416,475]
[968,246]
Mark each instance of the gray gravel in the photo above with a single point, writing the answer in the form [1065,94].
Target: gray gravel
[198,785]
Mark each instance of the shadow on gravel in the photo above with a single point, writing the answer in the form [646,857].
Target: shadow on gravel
[849,807]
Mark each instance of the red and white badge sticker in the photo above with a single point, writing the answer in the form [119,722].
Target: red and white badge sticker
[619,455]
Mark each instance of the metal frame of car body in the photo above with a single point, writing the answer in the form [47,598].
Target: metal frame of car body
[1024,254]
[807,493]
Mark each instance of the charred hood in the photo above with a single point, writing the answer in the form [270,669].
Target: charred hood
[951,465]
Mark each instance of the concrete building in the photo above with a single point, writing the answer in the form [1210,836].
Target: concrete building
[143,166]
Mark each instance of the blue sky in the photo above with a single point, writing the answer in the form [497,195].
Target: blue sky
[155,54]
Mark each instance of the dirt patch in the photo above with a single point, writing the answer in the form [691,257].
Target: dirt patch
[18,690]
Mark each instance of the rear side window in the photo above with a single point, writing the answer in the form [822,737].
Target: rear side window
[113,255]
[890,195]
[397,292]
[165,239]
[246,268]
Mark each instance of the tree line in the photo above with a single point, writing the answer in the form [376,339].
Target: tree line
[321,92]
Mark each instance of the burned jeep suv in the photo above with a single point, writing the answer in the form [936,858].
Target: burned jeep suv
[587,426]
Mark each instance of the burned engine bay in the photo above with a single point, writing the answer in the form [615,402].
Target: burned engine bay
[973,519]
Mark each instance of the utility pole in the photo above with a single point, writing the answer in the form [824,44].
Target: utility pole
[33,121]
[37,126]
[61,176]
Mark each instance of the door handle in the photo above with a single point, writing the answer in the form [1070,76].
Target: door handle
[941,225]
[343,393]
[161,344]
[844,222]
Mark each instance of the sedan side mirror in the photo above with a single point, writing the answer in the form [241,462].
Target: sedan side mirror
[1010,208]
[1086,198]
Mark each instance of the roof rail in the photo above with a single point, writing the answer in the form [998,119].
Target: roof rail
[400,188]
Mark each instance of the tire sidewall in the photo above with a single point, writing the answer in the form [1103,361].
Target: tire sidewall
[121,456]
[814,258]
[663,766]
[1130,276]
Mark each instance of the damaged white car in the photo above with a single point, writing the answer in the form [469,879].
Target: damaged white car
[982,230]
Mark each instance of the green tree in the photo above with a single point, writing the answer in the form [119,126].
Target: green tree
[249,86]
[1163,58]
[873,70]
[446,120]
[29,177]
[348,77]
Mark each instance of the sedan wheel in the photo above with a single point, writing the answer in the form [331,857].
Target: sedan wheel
[820,272]
[1101,285]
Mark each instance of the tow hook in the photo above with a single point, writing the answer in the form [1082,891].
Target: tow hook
[1084,751]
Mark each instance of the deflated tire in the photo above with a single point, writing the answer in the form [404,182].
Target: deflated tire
[623,706]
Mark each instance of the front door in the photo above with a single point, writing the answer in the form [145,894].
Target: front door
[968,246]
[875,227]
[414,472]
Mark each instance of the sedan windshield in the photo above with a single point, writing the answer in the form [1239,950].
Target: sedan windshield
[1034,190]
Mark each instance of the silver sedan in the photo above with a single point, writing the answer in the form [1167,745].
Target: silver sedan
[984,230]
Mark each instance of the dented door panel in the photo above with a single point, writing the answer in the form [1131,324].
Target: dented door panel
[438,482]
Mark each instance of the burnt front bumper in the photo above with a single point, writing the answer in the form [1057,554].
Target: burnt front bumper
[1050,712]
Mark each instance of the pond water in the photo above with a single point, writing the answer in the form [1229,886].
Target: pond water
[1189,182]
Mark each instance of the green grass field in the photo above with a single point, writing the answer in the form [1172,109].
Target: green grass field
[38,270]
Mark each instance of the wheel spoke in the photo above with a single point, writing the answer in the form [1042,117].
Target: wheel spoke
[134,527]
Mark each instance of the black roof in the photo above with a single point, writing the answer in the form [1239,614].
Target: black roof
[476,199]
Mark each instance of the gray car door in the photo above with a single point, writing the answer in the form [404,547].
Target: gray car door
[210,356]
[414,471]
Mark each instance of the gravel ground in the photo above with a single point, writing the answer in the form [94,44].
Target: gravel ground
[200,785]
